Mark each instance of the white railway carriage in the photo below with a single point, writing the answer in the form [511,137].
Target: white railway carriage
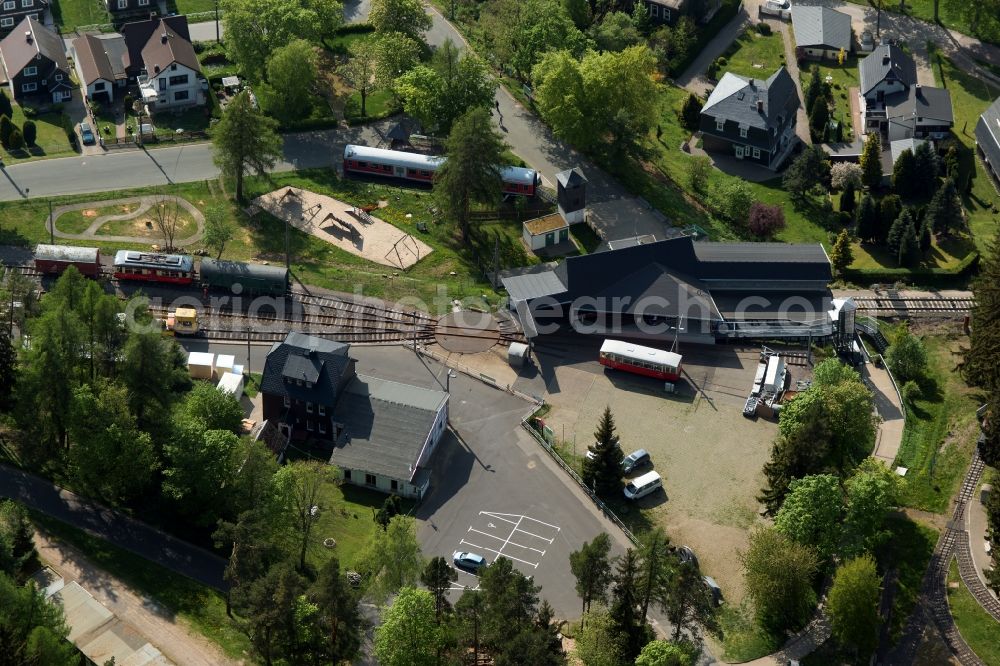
[641,360]
[421,168]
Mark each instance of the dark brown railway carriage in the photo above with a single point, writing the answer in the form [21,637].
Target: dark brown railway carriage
[54,259]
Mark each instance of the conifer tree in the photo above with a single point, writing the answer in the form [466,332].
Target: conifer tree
[603,471]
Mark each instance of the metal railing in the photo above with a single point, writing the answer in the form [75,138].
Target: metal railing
[605,509]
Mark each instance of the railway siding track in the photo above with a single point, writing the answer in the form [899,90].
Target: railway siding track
[896,306]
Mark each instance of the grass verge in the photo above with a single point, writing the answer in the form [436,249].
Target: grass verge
[977,627]
[202,606]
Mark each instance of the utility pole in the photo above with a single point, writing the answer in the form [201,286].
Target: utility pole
[878,19]
[218,37]
[248,348]
[288,261]
[52,225]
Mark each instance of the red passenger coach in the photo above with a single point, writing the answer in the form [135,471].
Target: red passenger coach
[641,360]
[149,267]
[54,259]
[421,168]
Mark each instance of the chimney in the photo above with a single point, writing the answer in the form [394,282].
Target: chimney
[760,106]
[920,92]
[164,37]
[27,36]
[750,83]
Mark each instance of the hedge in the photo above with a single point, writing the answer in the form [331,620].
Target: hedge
[964,269]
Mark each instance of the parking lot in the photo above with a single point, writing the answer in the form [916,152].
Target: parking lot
[709,455]
[494,491]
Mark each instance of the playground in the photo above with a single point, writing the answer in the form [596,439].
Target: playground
[350,228]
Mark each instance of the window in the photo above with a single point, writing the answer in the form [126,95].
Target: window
[756,153]
[30,71]
[666,14]
[370,479]
[309,425]
[720,124]
[10,4]
[27,3]
[743,132]
[288,401]
[309,407]
[181,95]
[99,86]
[654,11]
[173,67]
[163,84]
[143,3]
[321,409]
[29,87]
[7,22]
[322,426]
[58,77]
[122,4]
[179,80]
[394,484]
[347,475]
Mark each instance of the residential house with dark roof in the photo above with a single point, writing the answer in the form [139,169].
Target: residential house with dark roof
[382,433]
[100,65]
[821,32]
[34,59]
[670,11]
[895,104]
[988,140]
[752,119]
[171,73]
[13,12]
[123,10]
[711,290]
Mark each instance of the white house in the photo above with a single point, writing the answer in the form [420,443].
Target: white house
[99,61]
[171,79]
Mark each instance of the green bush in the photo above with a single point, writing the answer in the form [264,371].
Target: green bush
[764,28]
[30,132]
[6,127]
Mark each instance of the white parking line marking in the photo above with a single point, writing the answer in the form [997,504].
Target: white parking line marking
[492,536]
[500,516]
[534,535]
[499,553]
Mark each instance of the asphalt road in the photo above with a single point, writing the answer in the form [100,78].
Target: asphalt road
[116,528]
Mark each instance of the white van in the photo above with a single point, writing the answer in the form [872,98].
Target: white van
[643,485]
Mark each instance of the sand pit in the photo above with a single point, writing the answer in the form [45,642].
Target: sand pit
[345,226]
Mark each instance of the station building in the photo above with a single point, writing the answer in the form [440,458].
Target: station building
[697,291]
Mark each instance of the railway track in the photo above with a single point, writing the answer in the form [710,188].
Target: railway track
[897,306]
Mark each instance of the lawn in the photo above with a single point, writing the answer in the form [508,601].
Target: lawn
[190,120]
[69,14]
[145,225]
[193,6]
[945,253]
[77,221]
[51,140]
[842,78]
[969,98]
[455,267]
[754,55]
[977,627]
[379,104]
[203,607]
[941,429]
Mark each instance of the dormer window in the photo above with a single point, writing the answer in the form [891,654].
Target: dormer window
[321,409]
[720,124]
[743,132]
[309,384]
[30,71]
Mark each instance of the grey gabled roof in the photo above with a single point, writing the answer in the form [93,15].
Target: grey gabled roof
[657,290]
[19,51]
[884,61]
[536,282]
[386,423]
[988,134]
[735,98]
[821,26]
[897,147]
[317,360]
[927,105]
[758,253]
[571,177]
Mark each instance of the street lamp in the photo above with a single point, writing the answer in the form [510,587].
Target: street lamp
[447,380]
[677,329]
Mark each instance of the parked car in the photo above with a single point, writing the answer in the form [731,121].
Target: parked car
[714,589]
[590,450]
[635,460]
[687,556]
[780,8]
[87,135]
[466,560]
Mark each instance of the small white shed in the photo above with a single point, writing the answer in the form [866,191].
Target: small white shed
[517,353]
[231,384]
[201,365]
[543,232]
[224,363]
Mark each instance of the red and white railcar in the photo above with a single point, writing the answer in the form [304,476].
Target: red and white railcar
[152,267]
[641,360]
[421,168]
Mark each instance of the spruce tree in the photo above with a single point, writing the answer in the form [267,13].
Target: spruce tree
[691,113]
[903,174]
[889,209]
[903,222]
[624,609]
[871,161]
[8,370]
[944,212]
[926,166]
[841,255]
[819,118]
[926,237]
[867,219]
[814,90]
[909,247]
[847,202]
[981,366]
[603,471]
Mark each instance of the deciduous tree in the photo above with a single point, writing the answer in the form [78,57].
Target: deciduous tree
[599,642]
[810,169]
[872,490]
[394,559]
[698,173]
[291,73]
[301,484]
[688,603]
[852,605]
[197,468]
[778,573]
[907,356]
[408,636]
[843,173]
[472,171]
[403,16]
[665,653]
[244,140]
[615,32]
[765,220]
[219,230]
[361,67]
[812,513]
[215,409]
[733,198]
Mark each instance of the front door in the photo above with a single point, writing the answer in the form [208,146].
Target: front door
[550,238]
[563,235]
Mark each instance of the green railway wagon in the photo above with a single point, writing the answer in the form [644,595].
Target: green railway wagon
[252,278]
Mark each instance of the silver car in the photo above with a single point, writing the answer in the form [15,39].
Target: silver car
[466,560]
